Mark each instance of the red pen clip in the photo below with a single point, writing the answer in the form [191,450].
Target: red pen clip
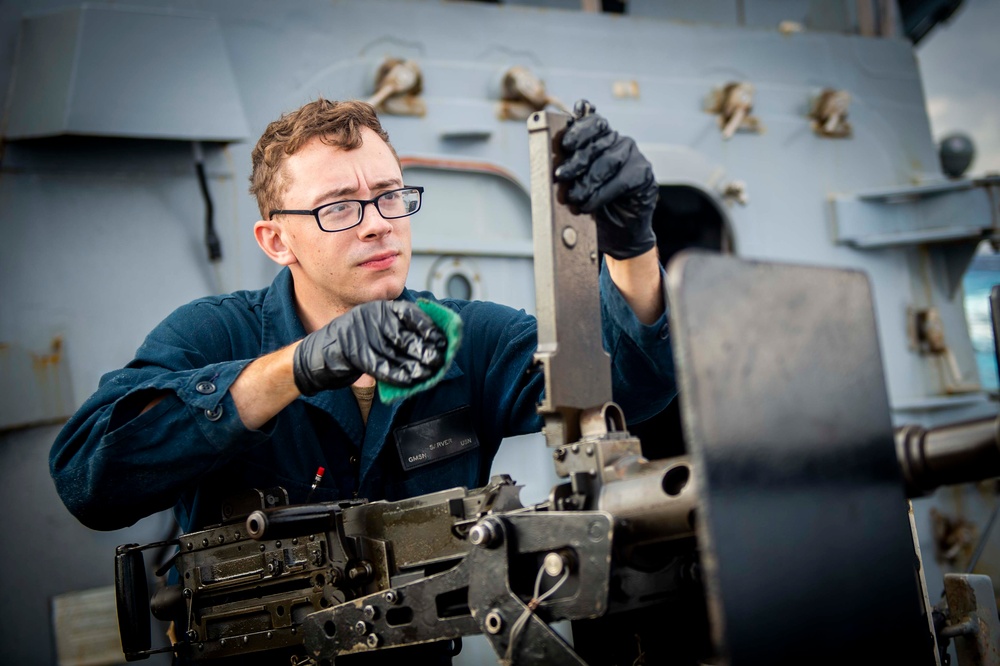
[319,477]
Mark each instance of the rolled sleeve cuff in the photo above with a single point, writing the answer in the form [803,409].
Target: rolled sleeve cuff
[653,337]
[208,387]
[642,362]
[205,394]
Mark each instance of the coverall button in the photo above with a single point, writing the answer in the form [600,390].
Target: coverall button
[205,387]
[214,414]
[664,332]
[353,460]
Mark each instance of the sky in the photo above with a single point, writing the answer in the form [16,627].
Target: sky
[960,66]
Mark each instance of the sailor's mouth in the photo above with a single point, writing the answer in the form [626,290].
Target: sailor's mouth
[380,261]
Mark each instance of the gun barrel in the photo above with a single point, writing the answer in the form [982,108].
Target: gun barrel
[956,453]
[652,500]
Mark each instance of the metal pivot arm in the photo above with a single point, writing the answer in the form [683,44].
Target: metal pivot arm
[535,568]
[577,370]
[584,427]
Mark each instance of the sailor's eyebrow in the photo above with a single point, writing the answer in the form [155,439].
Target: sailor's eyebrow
[331,196]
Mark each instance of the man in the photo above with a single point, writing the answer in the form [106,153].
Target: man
[260,388]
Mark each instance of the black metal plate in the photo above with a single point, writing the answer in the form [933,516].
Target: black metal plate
[803,522]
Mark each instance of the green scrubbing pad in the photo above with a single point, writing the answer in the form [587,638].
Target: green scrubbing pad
[449,322]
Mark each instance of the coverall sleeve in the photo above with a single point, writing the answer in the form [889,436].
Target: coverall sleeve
[114,464]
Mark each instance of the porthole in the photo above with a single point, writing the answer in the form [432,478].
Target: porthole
[458,286]
[456,277]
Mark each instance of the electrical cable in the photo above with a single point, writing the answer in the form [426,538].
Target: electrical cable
[536,601]
[211,238]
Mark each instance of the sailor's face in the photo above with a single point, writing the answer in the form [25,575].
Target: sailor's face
[367,262]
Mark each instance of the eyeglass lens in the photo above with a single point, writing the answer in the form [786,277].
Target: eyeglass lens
[344,214]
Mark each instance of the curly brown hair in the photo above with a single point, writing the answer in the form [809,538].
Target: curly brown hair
[336,123]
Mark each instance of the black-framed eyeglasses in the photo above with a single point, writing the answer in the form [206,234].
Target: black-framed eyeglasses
[347,214]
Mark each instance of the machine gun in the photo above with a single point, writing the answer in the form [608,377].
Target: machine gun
[789,516]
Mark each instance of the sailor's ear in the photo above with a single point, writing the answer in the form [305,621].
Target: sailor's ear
[270,237]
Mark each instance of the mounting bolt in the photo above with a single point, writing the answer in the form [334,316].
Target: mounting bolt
[596,532]
[494,622]
[362,572]
[554,564]
[361,628]
[372,641]
[559,454]
[370,612]
[569,236]
[391,597]
[191,635]
[485,534]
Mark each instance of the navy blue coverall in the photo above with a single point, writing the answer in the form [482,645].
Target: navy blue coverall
[113,464]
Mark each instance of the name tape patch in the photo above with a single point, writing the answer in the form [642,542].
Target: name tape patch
[437,438]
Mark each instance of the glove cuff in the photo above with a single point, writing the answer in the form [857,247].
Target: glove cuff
[311,372]
[629,238]
[304,380]
[633,250]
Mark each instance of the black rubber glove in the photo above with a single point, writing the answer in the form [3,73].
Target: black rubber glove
[608,176]
[393,341]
